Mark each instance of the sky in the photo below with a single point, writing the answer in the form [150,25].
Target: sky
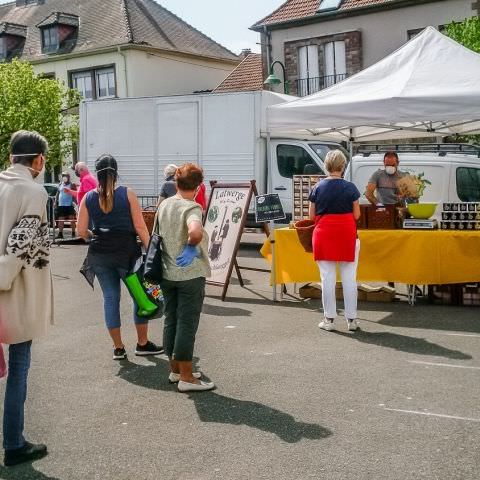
[226,21]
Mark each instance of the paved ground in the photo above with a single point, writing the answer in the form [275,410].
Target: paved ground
[398,400]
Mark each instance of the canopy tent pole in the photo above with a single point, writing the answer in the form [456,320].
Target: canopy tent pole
[350,144]
[272,223]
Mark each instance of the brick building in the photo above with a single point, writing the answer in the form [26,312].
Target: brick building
[321,42]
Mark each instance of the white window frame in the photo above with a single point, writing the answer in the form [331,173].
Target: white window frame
[308,69]
[109,73]
[94,74]
[335,58]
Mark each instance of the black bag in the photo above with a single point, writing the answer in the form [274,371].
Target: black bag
[153,266]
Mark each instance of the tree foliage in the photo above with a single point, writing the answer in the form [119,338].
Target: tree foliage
[467,33]
[30,102]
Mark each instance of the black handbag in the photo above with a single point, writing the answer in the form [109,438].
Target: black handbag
[153,265]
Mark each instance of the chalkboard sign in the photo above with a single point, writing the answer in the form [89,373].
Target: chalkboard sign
[268,207]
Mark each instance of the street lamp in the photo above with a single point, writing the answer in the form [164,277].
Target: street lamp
[274,80]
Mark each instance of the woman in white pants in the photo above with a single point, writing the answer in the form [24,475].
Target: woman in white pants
[335,209]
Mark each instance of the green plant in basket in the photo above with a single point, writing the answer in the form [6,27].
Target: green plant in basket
[422,183]
[413,185]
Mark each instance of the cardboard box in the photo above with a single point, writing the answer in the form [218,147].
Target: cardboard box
[366,293]
[383,294]
[310,291]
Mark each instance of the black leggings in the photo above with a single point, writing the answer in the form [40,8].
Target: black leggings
[183,306]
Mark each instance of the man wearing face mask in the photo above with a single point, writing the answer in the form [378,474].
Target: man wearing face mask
[382,186]
[26,294]
[87,182]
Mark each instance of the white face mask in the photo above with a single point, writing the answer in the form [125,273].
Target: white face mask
[391,170]
[36,173]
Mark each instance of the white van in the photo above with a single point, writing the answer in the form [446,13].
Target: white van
[452,169]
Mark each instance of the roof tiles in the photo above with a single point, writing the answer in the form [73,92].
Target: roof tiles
[109,23]
[247,77]
[299,9]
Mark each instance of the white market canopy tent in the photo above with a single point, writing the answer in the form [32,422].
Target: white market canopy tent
[428,87]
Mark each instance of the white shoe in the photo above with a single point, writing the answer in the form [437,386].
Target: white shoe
[195,387]
[327,325]
[352,325]
[175,377]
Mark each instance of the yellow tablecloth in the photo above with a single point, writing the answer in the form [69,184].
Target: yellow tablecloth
[414,257]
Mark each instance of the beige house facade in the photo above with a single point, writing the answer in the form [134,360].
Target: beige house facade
[140,72]
[321,47]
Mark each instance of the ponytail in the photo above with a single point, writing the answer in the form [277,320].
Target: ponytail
[106,190]
[106,168]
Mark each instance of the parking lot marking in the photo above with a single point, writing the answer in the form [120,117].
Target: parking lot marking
[463,335]
[428,414]
[433,364]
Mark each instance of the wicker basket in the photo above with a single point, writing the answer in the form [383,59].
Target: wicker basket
[149,217]
[304,230]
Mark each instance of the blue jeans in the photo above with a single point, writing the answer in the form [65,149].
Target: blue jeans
[110,280]
[15,395]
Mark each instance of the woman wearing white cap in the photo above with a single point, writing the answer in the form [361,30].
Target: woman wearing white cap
[169,187]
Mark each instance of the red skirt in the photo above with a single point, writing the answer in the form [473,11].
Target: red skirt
[334,237]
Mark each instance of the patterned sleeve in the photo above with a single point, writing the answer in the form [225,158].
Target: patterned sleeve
[28,244]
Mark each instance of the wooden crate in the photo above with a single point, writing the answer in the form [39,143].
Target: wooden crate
[362,222]
[302,186]
[381,218]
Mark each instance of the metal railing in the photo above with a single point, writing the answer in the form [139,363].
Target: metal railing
[307,86]
[442,148]
[148,201]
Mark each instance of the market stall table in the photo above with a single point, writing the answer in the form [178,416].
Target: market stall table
[412,257]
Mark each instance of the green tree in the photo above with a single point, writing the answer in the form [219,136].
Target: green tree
[30,102]
[467,33]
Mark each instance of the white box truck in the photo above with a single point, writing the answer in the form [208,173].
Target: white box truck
[223,133]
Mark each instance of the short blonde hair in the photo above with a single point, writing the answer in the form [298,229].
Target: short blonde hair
[335,161]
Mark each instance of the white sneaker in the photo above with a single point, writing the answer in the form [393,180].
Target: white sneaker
[352,325]
[195,387]
[327,325]
[175,377]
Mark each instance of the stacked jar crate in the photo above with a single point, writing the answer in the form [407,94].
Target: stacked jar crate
[461,216]
[302,186]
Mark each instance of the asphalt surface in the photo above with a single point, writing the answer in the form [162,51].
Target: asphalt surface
[397,400]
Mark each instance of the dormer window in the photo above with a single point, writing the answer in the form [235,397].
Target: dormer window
[12,40]
[326,5]
[59,32]
[50,39]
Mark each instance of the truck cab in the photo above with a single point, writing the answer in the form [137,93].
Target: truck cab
[289,158]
